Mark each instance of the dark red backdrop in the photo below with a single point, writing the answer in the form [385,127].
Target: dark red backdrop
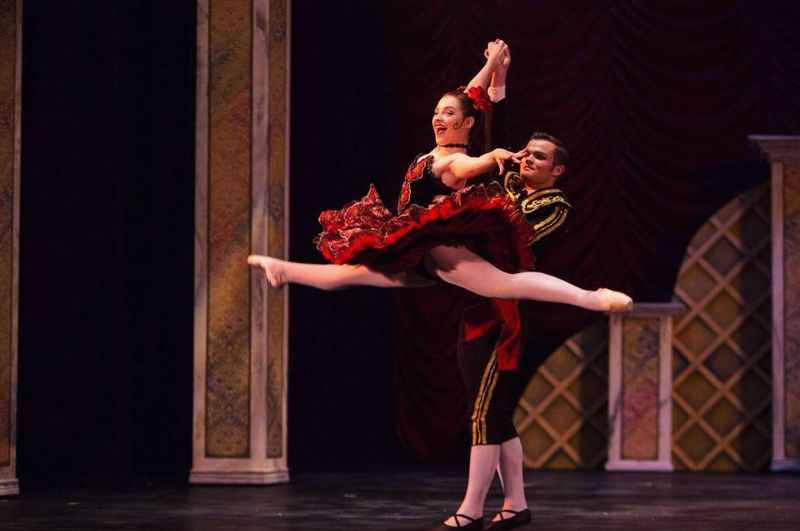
[655,101]
[655,105]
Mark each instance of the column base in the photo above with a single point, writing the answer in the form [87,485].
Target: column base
[785,465]
[217,477]
[9,487]
[639,466]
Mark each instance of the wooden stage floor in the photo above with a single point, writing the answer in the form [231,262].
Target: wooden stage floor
[413,500]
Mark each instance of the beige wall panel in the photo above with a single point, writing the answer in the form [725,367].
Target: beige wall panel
[228,355]
[791,250]
[277,211]
[640,348]
[10,112]
[9,163]
[242,193]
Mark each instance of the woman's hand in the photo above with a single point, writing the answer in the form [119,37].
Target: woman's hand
[502,62]
[497,54]
[501,156]
[519,155]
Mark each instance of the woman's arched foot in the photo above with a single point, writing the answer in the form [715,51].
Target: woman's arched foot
[274,269]
[608,300]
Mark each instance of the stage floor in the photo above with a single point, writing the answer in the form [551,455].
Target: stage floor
[404,500]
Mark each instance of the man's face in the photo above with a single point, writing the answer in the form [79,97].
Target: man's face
[537,167]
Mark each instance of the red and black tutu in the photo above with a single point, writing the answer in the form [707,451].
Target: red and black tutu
[481,217]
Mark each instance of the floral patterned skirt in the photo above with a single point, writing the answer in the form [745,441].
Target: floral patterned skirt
[481,217]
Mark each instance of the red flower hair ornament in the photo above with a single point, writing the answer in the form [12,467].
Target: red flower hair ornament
[479,98]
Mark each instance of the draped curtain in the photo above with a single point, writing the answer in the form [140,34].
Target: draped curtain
[654,101]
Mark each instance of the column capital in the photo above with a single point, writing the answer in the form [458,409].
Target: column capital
[654,309]
[778,148]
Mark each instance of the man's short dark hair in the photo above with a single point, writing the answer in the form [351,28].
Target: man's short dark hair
[561,155]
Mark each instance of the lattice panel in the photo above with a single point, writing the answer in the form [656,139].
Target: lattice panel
[722,342]
[562,418]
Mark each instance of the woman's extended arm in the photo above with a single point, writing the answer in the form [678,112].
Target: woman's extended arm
[454,170]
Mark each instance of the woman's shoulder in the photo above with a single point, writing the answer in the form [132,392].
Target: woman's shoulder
[423,156]
[420,164]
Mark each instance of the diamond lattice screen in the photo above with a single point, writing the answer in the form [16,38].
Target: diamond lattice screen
[722,342]
[721,361]
[562,418]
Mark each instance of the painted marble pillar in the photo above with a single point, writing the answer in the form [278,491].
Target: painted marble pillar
[242,192]
[640,388]
[10,106]
[783,153]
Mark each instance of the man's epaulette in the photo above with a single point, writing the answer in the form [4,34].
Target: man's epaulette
[515,188]
[546,210]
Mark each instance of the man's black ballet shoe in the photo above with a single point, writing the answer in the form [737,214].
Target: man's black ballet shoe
[518,519]
[475,524]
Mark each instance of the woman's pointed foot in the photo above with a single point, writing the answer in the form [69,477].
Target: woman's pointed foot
[608,300]
[274,269]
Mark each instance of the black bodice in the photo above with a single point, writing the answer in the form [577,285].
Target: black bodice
[420,185]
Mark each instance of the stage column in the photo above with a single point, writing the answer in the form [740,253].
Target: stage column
[640,388]
[783,153]
[241,199]
[10,106]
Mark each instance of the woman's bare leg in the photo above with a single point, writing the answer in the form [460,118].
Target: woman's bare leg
[463,268]
[330,276]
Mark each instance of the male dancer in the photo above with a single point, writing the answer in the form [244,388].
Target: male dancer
[490,342]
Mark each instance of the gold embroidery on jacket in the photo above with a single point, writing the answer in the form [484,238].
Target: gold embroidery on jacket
[532,203]
[551,223]
[549,201]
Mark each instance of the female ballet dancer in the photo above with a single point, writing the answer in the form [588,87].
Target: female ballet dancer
[469,236]
[392,248]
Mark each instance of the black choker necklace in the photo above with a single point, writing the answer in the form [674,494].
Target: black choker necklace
[465,146]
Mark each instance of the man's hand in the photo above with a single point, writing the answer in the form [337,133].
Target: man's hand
[497,54]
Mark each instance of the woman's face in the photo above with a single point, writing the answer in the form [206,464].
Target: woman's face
[449,124]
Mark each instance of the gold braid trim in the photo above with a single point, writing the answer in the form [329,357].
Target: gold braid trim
[542,198]
[542,226]
[552,199]
[551,223]
[513,185]
[482,401]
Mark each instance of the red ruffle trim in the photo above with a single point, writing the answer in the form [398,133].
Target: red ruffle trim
[481,217]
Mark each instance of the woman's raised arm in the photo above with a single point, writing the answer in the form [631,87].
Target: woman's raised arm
[496,53]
